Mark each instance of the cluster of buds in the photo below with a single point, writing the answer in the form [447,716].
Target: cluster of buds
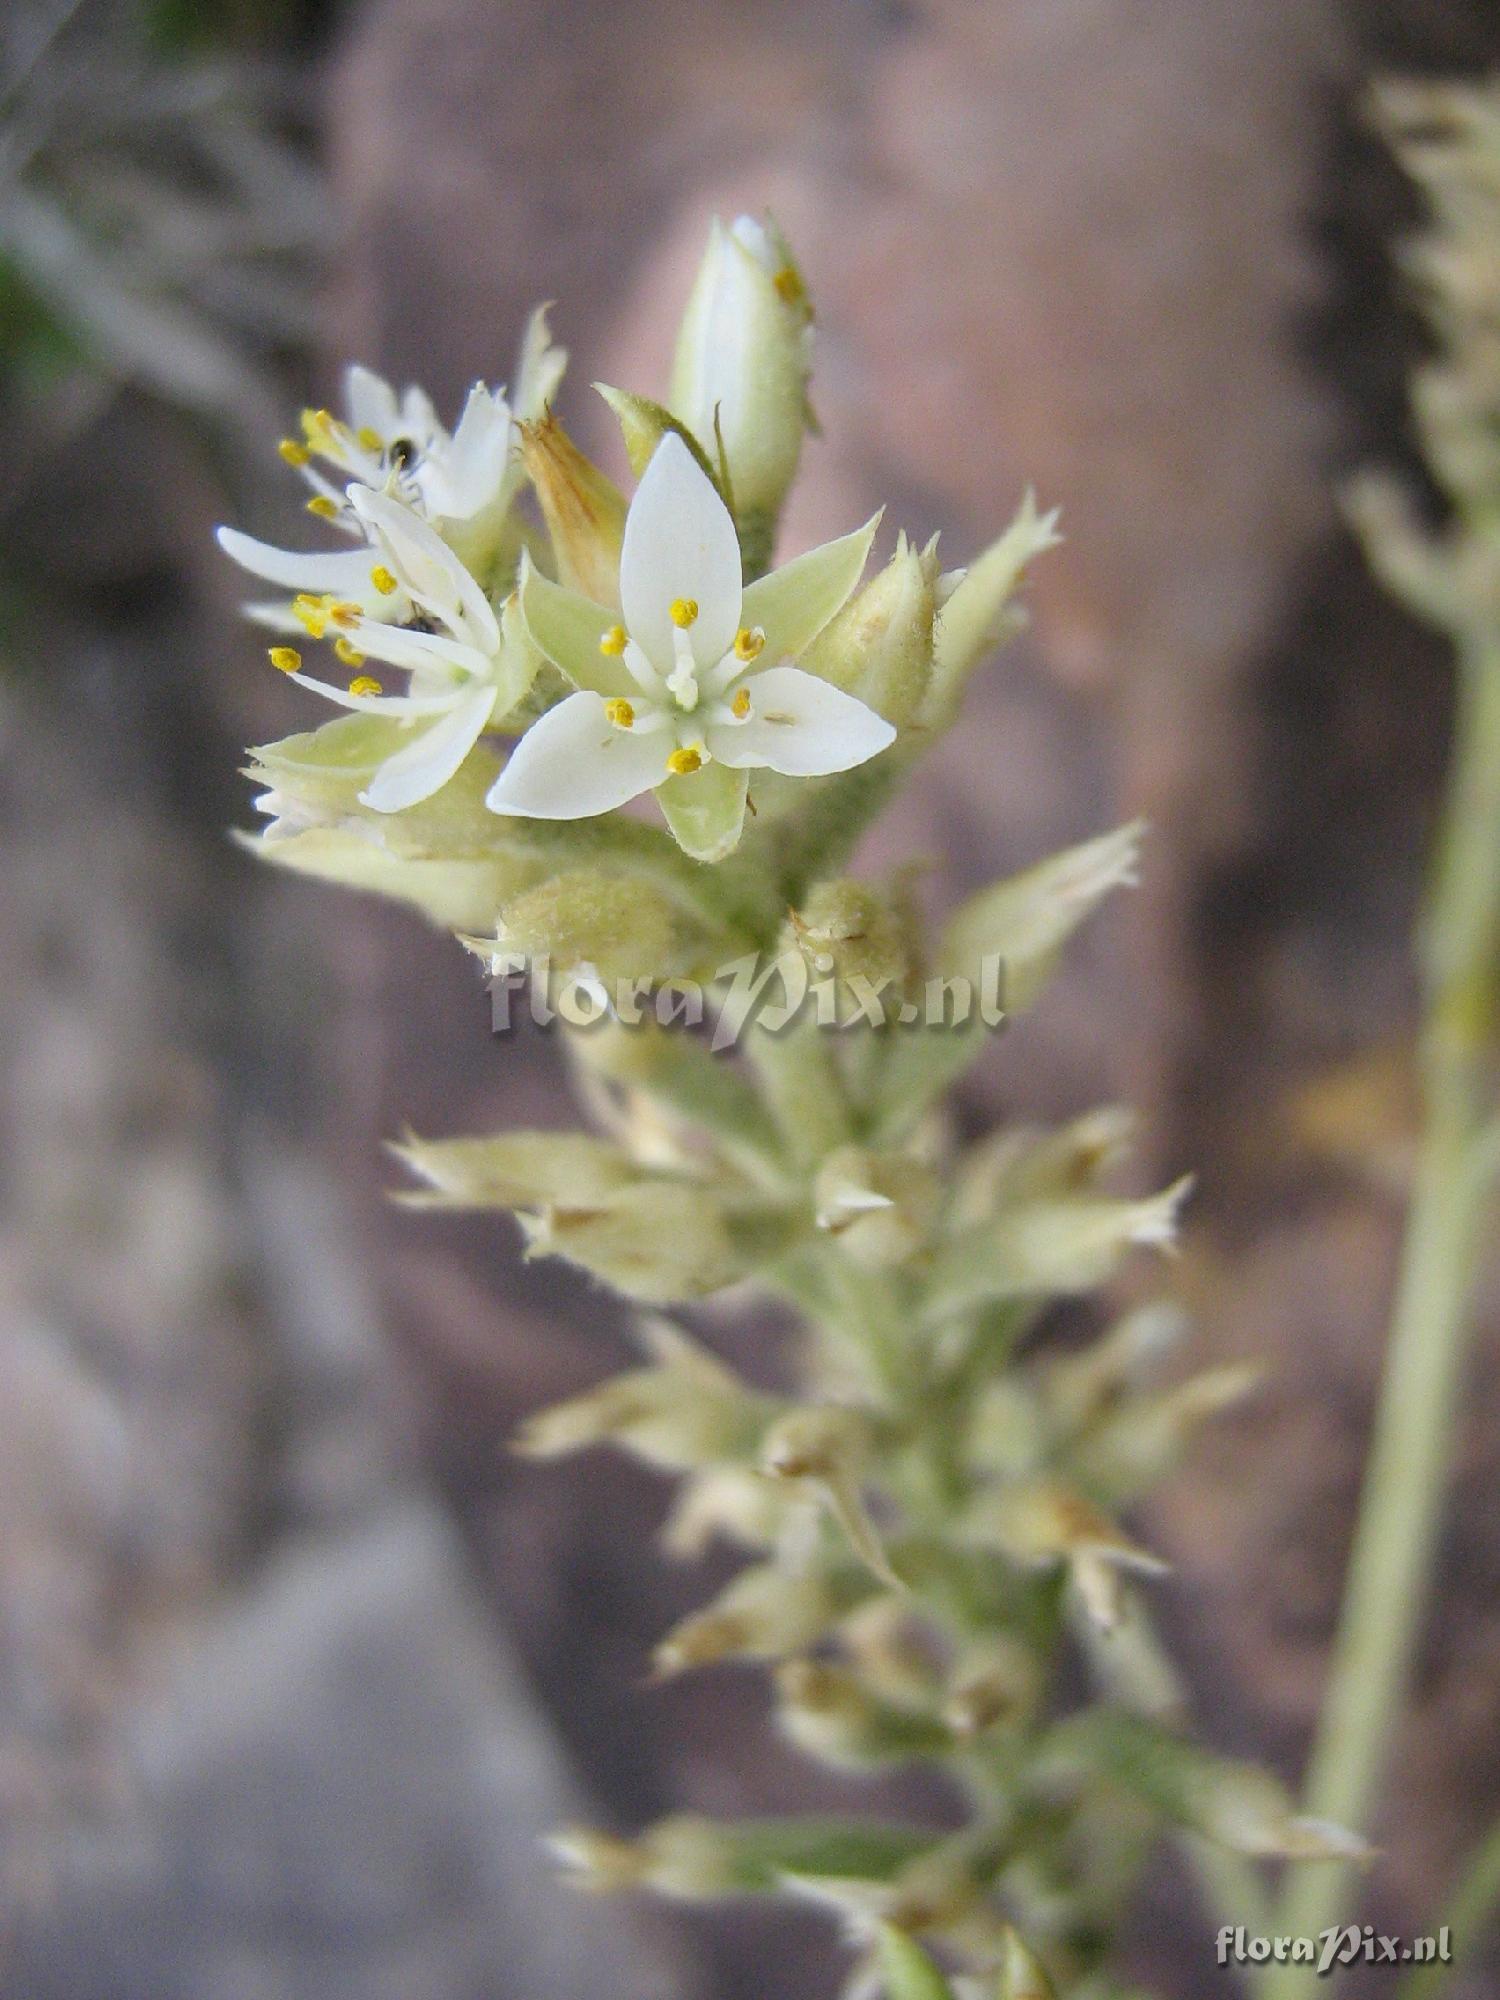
[932,1511]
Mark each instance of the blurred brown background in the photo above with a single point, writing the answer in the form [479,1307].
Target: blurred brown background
[295,1664]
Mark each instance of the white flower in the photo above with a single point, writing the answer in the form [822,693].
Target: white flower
[466,667]
[396,442]
[696,675]
[462,481]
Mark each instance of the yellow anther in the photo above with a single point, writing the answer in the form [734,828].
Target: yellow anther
[789,286]
[311,612]
[749,643]
[369,438]
[620,713]
[364,684]
[347,615]
[383,581]
[323,507]
[317,427]
[682,763]
[682,611]
[612,641]
[348,653]
[739,708]
[293,451]
[286,659]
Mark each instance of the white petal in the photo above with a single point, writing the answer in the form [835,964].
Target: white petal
[337,572]
[430,569]
[406,706]
[421,652]
[574,763]
[419,420]
[427,763]
[371,403]
[679,542]
[465,474]
[539,369]
[800,726]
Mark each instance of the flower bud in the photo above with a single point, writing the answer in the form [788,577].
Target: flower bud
[685,1857]
[1020,1163]
[739,376]
[1026,920]
[828,1449]
[851,932]
[880,645]
[978,614]
[621,927]
[1067,1245]
[1144,1438]
[687,1411]
[765,1613]
[729,1501]
[514,1170]
[829,1714]
[1047,1521]
[584,511]
[879,1207]
[656,1239]
[995,1681]
[1238,1805]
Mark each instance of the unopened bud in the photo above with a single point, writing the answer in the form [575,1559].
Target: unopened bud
[1025,921]
[1048,1521]
[830,1714]
[622,927]
[739,376]
[880,645]
[514,1170]
[764,1614]
[858,936]
[688,1412]
[656,1240]
[879,1207]
[828,1448]
[979,613]
[995,1682]
[1066,1245]
[684,1857]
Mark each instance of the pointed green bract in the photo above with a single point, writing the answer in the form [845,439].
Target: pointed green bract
[908,1973]
[568,628]
[643,425]
[795,602]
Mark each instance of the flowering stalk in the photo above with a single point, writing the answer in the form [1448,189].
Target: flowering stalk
[1449,140]
[932,1507]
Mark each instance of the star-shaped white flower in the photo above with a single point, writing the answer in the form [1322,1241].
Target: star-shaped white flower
[696,675]
[463,481]
[464,668]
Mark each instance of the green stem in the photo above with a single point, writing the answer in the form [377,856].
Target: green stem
[1386,1592]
